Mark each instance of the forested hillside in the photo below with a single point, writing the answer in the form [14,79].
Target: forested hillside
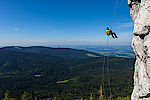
[62,72]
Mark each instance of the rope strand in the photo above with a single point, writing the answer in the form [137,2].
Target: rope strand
[103,75]
[107,63]
[108,70]
[114,14]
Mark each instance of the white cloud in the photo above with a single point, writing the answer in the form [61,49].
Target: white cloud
[127,24]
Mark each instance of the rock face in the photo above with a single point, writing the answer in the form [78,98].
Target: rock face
[140,13]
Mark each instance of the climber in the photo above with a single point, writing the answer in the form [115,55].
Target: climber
[131,2]
[109,32]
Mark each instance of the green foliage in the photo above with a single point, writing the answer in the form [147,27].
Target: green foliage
[64,81]
[31,96]
[123,98]
[101,96]
[24,96]
[20,67]
[6,95]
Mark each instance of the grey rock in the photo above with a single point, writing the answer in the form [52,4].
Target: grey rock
[140,13]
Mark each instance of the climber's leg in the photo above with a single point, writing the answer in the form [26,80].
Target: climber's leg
[114,35]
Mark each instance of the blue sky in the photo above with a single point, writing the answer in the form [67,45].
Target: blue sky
[63,22]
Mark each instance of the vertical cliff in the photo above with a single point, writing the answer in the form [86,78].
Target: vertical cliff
[140,13]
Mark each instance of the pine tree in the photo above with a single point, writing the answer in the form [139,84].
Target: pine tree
[24,96]
[110,97]
[32,97]
[101,96]
[91,97]
[36,98]
[81,98]
[18,97]
[54,98]
[118,98]
[6,95]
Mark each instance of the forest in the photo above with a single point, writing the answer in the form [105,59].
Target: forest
[44,73]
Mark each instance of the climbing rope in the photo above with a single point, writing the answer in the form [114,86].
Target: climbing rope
[105,63]
[114,14]
[108,71]
[105,60]
[103,69]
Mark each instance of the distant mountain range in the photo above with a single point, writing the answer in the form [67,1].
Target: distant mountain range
[66,53]
[62,72]
[111,50]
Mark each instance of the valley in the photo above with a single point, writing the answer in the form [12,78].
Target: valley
[62,72]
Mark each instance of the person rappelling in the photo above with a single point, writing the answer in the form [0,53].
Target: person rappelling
[109,32]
